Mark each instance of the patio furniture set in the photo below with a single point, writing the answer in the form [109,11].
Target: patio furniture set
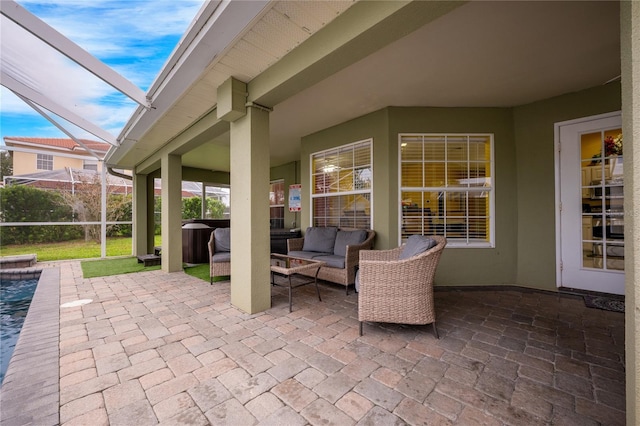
[393,286]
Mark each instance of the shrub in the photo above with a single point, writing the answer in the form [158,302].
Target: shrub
[19,203]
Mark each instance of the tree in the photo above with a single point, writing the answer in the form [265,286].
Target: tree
[192,208]
[119,209]
[6,164]
[86,202]
[157,215]
[215,209]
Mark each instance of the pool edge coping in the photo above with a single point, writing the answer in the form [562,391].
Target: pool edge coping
[30,393]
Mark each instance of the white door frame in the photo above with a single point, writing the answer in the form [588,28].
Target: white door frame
[558,189]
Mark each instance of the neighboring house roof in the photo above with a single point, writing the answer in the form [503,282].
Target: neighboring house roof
[58,143]
[194,189]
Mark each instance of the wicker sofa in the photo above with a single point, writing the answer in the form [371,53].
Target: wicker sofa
[396,286]
[338,247]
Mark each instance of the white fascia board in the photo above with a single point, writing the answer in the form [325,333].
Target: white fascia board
[53,38]
[213,32]
[24,91]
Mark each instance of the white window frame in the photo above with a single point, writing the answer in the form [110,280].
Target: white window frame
[368,191]
[90,165]
[42,160]
[453,242]
[271,206]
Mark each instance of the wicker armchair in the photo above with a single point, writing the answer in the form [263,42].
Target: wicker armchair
[219,261]
[398,291]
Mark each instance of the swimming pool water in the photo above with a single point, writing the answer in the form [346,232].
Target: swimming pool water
[15,298]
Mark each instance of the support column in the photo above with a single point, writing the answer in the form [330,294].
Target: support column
[171,174]
[630,67]
[140,215]
[250,237]
[151,213]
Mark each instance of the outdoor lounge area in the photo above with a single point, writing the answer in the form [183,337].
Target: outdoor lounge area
[163,348]
[462,120]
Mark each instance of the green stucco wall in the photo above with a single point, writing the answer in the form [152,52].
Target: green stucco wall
[481,266]
[534,135]
[371,126]
[524,252]
[290,173]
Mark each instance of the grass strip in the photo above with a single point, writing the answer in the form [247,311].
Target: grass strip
[129,265]
[106,267]
[202,272]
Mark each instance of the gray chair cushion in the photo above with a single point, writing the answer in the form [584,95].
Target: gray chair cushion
[320,238]
[221,257]
[332,260]
[357,281]
[347,238]
[415,245]
[305,254]
[222,239]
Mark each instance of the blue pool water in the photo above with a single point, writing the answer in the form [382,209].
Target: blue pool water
[15,298]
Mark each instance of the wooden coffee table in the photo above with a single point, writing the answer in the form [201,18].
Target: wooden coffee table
[288,266]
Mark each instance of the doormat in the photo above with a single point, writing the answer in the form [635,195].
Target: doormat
[606,303]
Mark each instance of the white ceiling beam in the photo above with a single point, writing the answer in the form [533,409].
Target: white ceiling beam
[24,91]
[53,38]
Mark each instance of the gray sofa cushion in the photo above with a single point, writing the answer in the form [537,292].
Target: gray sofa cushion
[415,245]
[332,260]
[221,257]
[305,254]
[347,238]
[222,239]
[320,239]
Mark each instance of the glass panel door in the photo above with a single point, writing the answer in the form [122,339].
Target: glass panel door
[590,199]
[602,193]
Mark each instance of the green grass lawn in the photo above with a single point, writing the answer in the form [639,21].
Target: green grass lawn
[202,272]
[77,249]
[80,249]
[105,267]
[127,265]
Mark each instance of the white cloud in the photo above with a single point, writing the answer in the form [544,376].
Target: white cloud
[33,63]
[107,28]
[133,37]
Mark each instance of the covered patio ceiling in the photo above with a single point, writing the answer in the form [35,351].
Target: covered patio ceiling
[440,54]
[489,54]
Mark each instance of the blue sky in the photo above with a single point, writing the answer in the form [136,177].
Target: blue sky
[134,37]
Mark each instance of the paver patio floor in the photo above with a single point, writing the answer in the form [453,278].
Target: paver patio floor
[157,348]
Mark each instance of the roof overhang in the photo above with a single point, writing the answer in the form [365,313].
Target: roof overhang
[369,55]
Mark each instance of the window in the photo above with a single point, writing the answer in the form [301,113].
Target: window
[342,182]
[90,165]
[276,204]
[44,162]
[446,187]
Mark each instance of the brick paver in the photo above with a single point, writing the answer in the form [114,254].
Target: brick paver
[170,349]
